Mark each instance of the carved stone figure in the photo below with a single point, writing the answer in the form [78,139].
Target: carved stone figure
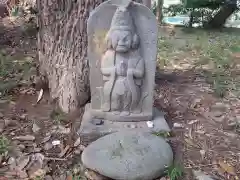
[122,66]
[122,47]
[122,51]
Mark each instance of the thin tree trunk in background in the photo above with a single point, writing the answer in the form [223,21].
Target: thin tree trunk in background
[159,10]
[62,43]
[191,18]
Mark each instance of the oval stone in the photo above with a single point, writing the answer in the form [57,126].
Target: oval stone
[129,155]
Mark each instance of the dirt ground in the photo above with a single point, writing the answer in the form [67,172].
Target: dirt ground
[204,114]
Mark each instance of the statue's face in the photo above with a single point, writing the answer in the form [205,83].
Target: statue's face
[121,40]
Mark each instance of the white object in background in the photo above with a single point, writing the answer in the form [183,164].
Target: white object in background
[150,124]
[56,142]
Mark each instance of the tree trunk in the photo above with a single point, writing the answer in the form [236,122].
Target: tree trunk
[62,42]
[191,18]
[220,18]
[159,10]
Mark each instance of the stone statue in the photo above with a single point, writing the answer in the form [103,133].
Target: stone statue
[122,46]
[122,53]
[122,66]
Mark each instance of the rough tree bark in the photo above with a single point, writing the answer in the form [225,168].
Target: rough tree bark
[62,42]
[159,11]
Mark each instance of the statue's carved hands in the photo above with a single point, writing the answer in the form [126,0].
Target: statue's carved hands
[122,69]
[130,72]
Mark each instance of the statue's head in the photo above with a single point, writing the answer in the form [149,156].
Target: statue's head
[122,36]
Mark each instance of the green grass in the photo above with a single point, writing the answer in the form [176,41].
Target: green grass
[39,178]
[163,134]
[12,72]
[174,172]
[4,145]
[211,53]
[57,116]
[78,177]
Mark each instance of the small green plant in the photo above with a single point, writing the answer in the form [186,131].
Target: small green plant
[220,82]
[163,134]
[12,72]
[5,64]
[174,172]
[15,11]
[39,178]
[78,177]
[57,115]
[4,145]
[237,127]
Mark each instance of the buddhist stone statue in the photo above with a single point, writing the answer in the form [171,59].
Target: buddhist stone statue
[122,66]
[122,51]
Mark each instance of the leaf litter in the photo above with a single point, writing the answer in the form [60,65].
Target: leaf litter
[203,139]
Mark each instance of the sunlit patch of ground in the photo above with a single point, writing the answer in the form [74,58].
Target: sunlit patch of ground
[201,94]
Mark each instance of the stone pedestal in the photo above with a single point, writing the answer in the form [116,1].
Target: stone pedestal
[91,128]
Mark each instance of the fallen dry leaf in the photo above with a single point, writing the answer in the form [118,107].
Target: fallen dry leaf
[64,151]
[193,122]
[178,125]
[22,162]
[3,178]
[203,153]
[190,142]
[227,168]
[24,138]
[47,138]
[93,175]
[236,55]
[40,95]
[77,142]
[39,173]
[63,130]
[69,177]
[35,128]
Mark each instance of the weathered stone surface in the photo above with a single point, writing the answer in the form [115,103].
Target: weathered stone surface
[128,155]
[89,131]
[201,175]
[122,49]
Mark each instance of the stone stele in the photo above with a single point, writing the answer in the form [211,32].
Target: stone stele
[122,50]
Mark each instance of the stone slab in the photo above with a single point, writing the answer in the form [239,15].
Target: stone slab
[91,129]
[98,27]
[129,156]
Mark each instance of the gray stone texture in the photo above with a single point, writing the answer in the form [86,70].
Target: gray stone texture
[129,156]
[201,175]
[142,23]
[91,129]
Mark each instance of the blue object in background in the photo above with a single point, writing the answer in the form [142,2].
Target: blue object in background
[176,20]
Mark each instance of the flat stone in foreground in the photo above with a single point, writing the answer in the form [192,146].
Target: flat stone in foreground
[92,129]
[129,156]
